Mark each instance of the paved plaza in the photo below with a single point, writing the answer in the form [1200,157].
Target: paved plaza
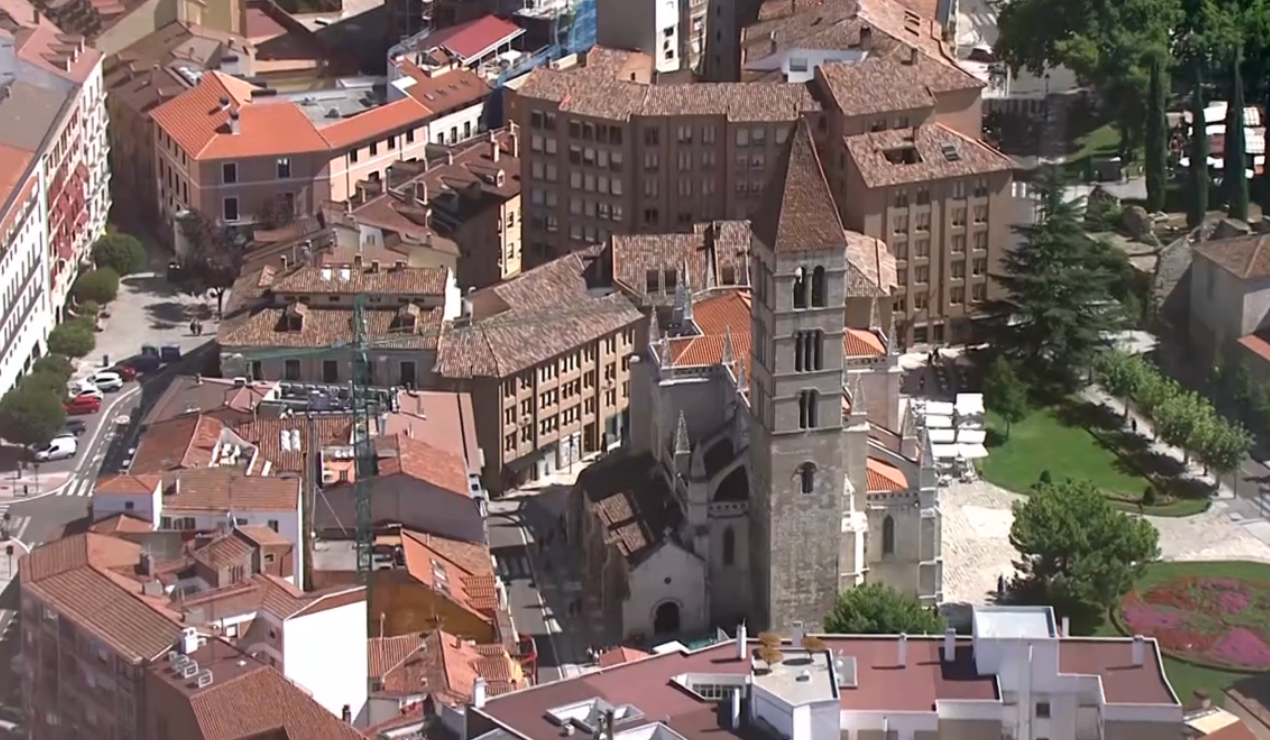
[977,520]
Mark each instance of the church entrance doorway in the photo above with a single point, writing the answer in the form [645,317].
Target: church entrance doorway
[666,618]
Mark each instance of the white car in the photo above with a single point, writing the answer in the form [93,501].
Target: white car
[105,380]
[60,448]
[85,388]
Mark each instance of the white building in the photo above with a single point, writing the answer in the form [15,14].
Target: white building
[672,32]
[54,197]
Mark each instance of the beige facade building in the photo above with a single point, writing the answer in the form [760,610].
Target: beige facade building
[545,357]
[1018,675]
[896,120]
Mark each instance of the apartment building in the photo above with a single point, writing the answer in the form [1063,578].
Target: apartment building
[463,200]
[102,613]
[1019,675]
[55,196]
[673,33]
[230,149]
[545,357]
[610,153]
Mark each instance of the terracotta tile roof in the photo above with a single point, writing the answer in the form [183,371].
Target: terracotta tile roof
[250,289]
[120,523]
[386,653]
[715,255]
[620,655]
[535,316]
[14,171]
[596,90]
[896,83]
[76,577]
[871,266]
[40,42]
[1256,344]
[183,442]
[139,484]
[407,327]
[263,701]
[797,212]
[261,535]
[928,152]
[445,90]
[470,39]
[1245,257]
[863,343]
[461,571]
[227,489]
[266,434]
[401,454]
[374,123]
[628,497]
[884,477]
[223,551]
[145,74]
[717,314]
[225,398]
[1234,731]
[443,666]
[386,280]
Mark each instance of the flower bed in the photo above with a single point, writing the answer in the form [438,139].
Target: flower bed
[1220,622]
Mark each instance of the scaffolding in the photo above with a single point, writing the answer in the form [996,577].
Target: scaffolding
[570,29]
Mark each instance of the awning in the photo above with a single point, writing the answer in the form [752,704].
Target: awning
[969,404]
[972,451]
[942,436]
[944,452]
[939,408]
[971,436]
[939,422]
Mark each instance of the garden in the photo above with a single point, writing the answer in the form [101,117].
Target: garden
[1212,620]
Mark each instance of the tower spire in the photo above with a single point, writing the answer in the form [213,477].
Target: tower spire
[654,328]
[729,356]
[682,446]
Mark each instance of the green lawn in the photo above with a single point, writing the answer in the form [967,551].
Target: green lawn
[1046,441]
[1184,677]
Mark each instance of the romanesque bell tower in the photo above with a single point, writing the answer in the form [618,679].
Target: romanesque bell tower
[799,484]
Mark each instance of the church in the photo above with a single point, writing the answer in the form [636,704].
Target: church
[769,465]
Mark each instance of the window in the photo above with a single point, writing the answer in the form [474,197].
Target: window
[229,209]
[979,293]
[957,295]
[284,168]
[330,371]
[729,546]
[229,173]
[807,477]
[959,269]
[979,266]
[922,248]
[291,370]
[410,136]
[958,243]
[808,402]
[819,288]
[900,199]
[1042,710]
[374,148]
[800,288]
[808,351]
[888,535]
[959,217]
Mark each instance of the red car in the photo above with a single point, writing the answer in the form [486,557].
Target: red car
[126,371]
[81,405]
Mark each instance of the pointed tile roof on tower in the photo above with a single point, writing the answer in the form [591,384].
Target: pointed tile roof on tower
[797,212]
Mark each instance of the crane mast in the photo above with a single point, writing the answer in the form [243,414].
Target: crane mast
[364,459]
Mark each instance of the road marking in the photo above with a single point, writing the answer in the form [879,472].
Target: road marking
[102,427]
[81,487]
[553,626]
[513,568]
[542,604]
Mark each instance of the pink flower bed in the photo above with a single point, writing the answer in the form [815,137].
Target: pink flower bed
[1221,621]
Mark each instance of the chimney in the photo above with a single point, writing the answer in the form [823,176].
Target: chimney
[1067,628]
[866,38]
[285,261]
[1139,650]
[610,717]
[224,103]
[912,55]
[346,714]
[420,193]
[736,708]
[449,157]
[357,260]
[233,122]
[796,634]
[189,641]
[146,565]
[901,651]
[742,640]
[494,148]
[950,645]
[478,692]
[515,132]
[35,15]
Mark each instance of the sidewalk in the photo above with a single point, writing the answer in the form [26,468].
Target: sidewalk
[1097,395]
[29,485]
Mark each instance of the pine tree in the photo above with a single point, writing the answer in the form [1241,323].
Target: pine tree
[1058,302]
[1197,203]
[1157,134]
[1234,174]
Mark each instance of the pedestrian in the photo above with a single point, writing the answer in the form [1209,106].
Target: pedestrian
[193,328]
[1133,424]
[1000,586]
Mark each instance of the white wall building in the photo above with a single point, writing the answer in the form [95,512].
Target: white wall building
[25,316]
[672,32]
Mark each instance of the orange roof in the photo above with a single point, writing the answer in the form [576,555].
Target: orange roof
[620,655]
[136,484]
[884,477]
[120,523]
[462,571]
[13,170]
[399,114]
[862,343]
[719,314]
[194,117]
[1257,345]
[266,129]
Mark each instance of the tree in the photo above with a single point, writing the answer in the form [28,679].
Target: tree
[56,365]
[1157,133]
[72,339]
[1006,393]
[1197,202]
[1224,449]
[1077,553]
[1120,374]
[1234,172]
[877,609]
[30,416]
[120,252]
[1184,420]
[212,262]
[275,212]
[100,286]
[1057,304]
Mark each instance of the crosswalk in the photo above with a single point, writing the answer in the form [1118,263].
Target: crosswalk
[14,525]
[82,487]
[513,567]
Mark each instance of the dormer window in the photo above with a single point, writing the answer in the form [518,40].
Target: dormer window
[407,318]
[293,317]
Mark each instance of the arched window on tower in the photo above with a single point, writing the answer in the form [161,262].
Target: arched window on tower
[807,477]
[800,288]
[729,546]
[808,350]
[888,535]
[819,288]
[807,409]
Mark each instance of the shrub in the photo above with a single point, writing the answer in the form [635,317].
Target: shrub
[72,339]
[100,286]
[770,655]
[769,639]
[120,252]
[1046,478]
[811,642]
[1149,496]
[88,308]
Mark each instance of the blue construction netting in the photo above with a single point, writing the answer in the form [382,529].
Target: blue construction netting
[573,32]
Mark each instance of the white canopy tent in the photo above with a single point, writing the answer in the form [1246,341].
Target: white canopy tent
[972,451]
[944,451]
[969,404]
[942,436]
[939,422]
[939,408]
[971,437]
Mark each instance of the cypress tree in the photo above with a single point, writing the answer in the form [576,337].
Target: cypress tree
[1197,206]
[1234,173]
[1157,135]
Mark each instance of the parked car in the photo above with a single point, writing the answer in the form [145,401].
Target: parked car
[126,371]
[86,388]
[80,405]
[106,380]
[74,426]
[60,448]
